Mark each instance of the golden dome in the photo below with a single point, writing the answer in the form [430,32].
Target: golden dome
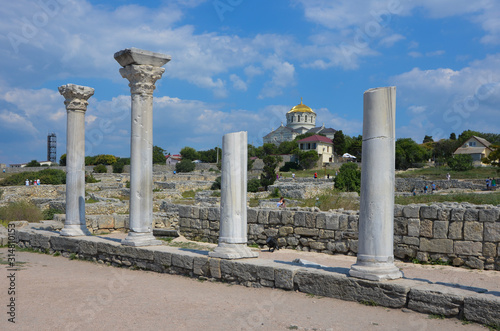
[301,108]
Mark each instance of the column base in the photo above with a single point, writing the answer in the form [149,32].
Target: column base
[233,251]
[141,239]
[376,272]
[74,230]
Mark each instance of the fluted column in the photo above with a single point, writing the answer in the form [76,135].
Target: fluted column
[142,69]
[76,105]
[233,202]
[375,260]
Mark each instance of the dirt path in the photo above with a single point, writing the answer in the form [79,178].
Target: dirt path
[54,293]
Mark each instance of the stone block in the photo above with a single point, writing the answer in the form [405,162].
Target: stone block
[468,248]
[492,231]
[292,241]
[185,222]
[39,240]
[352,245]
[285,231]
[300,218]
[105,222]
[404,251]
[440,229]
[426,228]
[274,217]
[287,217]
[255,229]
[398,211]
[67,244]
[182,261]
[489,249]
[474,263]
[251,215]
[226,268]
[443,214]
[263,217]
[411,211]
[214,214]
[343,222]
[321,221]
[317,245]
[306,232]
[411,241]
[332,221]
[457,214]
[429,212]
[271,232]
[473,231]
[471,215]
[353,221]
[400,226]
[195,212]
[413,227]
[245,272]
[108,248]
[455,230]
[215,271]
[162,258]
[196,223]
[436,245]
[121,221]
[87,247]
[326,234]
[137,253]
[489,215]
[283,278]
[482,310]
[214,225]
[203,214]
[310,219]
[184,211]
[339,286]
[201,266]
[265,272]
[432,302]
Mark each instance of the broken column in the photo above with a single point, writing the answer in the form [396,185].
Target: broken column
[233,202]
[76,105]
[375,260]
[142,68]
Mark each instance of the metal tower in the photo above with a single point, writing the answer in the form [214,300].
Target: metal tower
[51,147]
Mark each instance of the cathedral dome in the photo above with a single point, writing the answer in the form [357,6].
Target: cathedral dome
[301,108]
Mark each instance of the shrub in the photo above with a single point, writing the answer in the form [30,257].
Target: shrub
[33,163]
[216,184]
[89,178]
[100,169]
[185,166]
[253,185]
[48,214]
[349,178]
[46,176]
[21,211]
[290,166]
[461,162]
[118,167]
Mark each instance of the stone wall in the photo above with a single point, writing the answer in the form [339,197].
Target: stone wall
[459,234]
[407,184]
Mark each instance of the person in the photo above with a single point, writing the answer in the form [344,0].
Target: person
[281,203]
[175,172]
[315,175]
[425,189]
[27,182]
[277,176]
[414,191]
[488,182]
[293,175]
[448,176]
[493,183]
[433,187]
[3,170]
[327,176]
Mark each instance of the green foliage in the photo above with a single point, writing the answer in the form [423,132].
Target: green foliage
[105,159]
[474,198]
[127,184]
[158,155]
[209,156]
[189,153]
[348,178]
[305,135]
[48,214]
[461,162]
[275,193]
[253,185]
[216,183]
[20,211]
[268,176]
[308,159]
[33,163]
[353,146]
[89,178]
[288,166]
[409,153]
[453,136]
[269,149]
[1,194]
[100,169]
[186,165]
[427,139]
[332,199]
[62,160]
[339,143]
[494,157]
[119,164]
[188,194]
[46,176]
[288,147]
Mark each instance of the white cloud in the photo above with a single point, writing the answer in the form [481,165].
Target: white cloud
[283,75]
[238,83]
[389,41]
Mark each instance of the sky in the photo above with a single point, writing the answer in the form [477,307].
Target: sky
[240,65]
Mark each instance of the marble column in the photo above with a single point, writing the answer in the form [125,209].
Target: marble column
[76,105]
[142,69]
[233,202]
[375,260]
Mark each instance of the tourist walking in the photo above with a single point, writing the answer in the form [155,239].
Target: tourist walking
[488,183]
[448,177]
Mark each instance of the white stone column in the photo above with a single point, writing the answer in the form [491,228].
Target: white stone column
[375,259]
[76,105]
[233,202]
[142,69]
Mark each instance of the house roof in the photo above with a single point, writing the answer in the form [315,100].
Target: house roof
[322,130]
[473,150]
[281,128]
[483,141]
[316,138]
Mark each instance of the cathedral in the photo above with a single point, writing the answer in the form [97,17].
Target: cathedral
[299,120]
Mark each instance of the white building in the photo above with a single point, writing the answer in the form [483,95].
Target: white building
[321,144]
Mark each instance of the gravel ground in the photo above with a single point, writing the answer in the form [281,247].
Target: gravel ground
[55,293]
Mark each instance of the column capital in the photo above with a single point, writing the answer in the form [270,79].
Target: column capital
[142,78]
[76,96]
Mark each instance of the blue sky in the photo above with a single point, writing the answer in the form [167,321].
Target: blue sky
[242,64]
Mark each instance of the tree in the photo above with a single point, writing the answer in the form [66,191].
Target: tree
[105,159]
[427,139]
[189,153]
[461,162]
[269,149]
[409,153]
[185,165]
[443,150]
[308,159]
[268,176]
[339,143]
[158,155]
[209,156]
[100,169]
[62,160]
[355,147]
[33,163]
[494,157]
[453,136]
[288,147]
[348,178]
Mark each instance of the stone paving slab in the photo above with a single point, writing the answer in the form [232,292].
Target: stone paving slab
[451,299]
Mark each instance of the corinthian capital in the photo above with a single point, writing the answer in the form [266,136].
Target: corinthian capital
[76,96]
[142,78]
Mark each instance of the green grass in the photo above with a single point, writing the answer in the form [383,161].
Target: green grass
[20,211]
[90,200]
[368,303]
[440,173]
[188,194]
[474,198]
[332,200]
[167,239]
[437,316]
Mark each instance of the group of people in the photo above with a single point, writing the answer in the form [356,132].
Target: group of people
[32,182]
[491,183]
